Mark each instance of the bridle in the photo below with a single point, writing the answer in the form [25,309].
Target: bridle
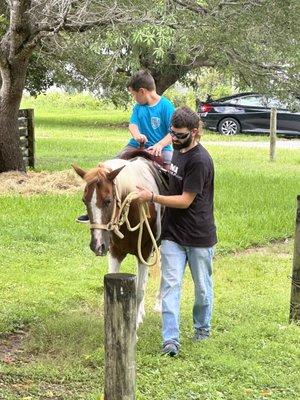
[113,224]
[121,217]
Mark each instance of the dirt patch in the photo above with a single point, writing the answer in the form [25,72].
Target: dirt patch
[11,347]
[34,183]
[35,389]
[13,352]
[280,247]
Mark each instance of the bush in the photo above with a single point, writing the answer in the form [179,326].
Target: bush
[179,99]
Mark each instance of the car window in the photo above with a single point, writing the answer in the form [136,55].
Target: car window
[276,103]
[256,101]
[230,101]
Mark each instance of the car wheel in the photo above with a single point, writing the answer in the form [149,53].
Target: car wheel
[229,126]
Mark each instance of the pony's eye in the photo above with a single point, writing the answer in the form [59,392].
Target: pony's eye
[106,202]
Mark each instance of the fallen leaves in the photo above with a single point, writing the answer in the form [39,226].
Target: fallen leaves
[8,359]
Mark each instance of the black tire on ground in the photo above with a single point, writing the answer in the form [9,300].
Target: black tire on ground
[229,126]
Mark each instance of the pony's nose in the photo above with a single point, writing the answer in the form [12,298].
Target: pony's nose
[99,250]
[102,250]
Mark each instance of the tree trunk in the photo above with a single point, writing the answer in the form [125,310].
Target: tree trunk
[167,73]
[13,80]
[166,77]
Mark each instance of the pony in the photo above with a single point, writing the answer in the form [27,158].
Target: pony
[107,187]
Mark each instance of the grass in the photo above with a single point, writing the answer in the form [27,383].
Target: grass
[253,349]
[87,134]
[51,289]
[79,128]
[255,199]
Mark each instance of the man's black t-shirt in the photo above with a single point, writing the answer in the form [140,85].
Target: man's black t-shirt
[192,171]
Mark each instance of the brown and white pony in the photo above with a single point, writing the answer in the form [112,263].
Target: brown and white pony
[106,183]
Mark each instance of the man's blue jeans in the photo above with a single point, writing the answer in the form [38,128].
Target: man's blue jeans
[174,258]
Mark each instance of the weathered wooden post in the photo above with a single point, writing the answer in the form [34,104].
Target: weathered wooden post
[31,137]
[295,291]
[273,128]
[27,139]
[120,336]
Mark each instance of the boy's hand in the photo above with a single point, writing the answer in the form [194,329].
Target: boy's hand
[141,138]
[156,149]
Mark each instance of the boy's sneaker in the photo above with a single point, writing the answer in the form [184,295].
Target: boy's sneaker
[200,334]
[83,219]
[170,348]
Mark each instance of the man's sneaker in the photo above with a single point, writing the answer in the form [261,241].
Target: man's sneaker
[83,219]
[170,348]
[200,334]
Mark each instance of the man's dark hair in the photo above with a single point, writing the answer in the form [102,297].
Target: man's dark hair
[184,117]
[142,79]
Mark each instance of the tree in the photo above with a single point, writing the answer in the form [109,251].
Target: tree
[100,43]
[253,40]
[24,24]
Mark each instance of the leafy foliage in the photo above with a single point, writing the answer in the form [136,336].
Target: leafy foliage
[253,42]
[39,78]
[3,24]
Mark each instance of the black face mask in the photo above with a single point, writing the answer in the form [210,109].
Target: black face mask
[183,144]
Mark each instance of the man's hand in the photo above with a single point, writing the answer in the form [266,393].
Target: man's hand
[141,138]
[156,149]
[143,194]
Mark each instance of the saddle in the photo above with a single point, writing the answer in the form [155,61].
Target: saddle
[156,164]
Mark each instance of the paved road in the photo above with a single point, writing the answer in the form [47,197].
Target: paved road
[280,144]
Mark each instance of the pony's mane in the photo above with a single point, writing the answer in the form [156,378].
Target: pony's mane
[97,172]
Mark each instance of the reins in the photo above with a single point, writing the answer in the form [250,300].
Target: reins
[118,219]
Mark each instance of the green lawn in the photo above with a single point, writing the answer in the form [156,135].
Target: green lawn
[76,128]
[51,285]
[67,132]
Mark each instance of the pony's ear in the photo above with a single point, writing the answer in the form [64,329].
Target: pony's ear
[111,175]
[79,170]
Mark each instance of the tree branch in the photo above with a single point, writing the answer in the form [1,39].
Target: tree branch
[19,24]
[256,67]
[192,6]
[79,20]
[196,8]
[2,56]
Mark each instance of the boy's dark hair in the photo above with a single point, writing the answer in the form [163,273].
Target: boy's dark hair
[184,117]
[142,79]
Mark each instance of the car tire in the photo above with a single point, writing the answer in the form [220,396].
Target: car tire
[229,126]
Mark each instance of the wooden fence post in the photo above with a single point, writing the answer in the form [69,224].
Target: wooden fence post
[120,336]
[27,139]
[273,128]
[295,290]
[31,139]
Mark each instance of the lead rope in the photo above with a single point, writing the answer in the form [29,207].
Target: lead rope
[117,221]
[144,214]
